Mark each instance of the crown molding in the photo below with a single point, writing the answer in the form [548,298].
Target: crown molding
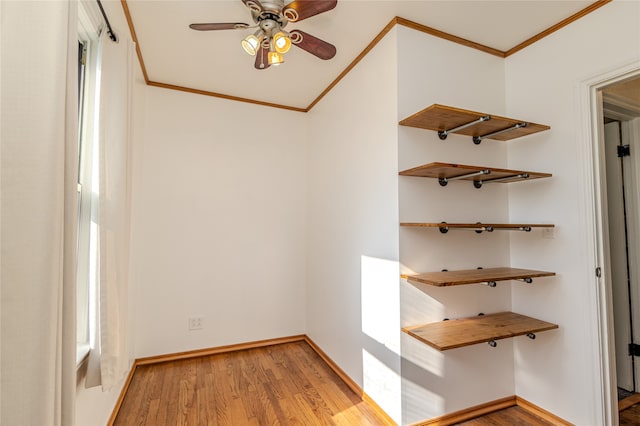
[395,21]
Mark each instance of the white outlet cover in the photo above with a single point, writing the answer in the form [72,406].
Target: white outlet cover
[195,323]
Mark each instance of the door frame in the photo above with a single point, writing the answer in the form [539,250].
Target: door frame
[597,239]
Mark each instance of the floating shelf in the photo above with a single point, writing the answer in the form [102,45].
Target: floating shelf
[474,276]
[445,335]
[445,120]
[446,172]
[478,227]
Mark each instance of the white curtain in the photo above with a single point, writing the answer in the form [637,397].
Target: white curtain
[111,355]
[38,161]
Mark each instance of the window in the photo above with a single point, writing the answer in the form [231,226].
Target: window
[88,110]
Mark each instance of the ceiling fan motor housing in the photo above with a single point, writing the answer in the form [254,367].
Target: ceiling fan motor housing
[274,6]
[269,22]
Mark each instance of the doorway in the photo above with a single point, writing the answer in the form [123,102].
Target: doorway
[621,134]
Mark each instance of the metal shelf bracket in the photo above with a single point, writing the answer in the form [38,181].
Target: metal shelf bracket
[444,181]
[444,133]
[443,227]
[478,139]
[478,183]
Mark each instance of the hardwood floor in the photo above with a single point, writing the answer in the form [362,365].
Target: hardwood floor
[512,416]
[630,416]
[287,384]
[284,384]
[629,410]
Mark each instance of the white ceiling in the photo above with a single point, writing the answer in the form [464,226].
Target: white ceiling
[214,61]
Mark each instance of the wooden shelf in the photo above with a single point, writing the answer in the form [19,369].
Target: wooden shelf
[474,276]
[444,227]
[445,335]
[446,172]
[445,119]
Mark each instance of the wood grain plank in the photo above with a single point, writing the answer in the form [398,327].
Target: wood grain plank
[445,118]
[188,408]
[123,392]
[630,416]
[140,400]
[476,225]
[287,383]
[445,335]
[222,391]
[205,399]
[152,413]
[171,397]
[473,276]
[438,170]
[629,401]
[512,416]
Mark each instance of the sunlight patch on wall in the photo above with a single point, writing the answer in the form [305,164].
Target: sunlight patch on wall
[380,299]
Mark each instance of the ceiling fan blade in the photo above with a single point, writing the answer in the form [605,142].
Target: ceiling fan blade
[303,9]
[219,26]
[313,45]
[254,5]
[262,58]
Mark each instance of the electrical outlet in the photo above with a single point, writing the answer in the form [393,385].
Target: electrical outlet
[548,233]
[195,323]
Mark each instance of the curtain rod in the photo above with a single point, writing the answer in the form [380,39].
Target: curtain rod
[110,32]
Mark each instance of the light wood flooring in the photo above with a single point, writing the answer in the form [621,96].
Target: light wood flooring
[512,416]
[286,384]
[516,416]
[630,416]
[630,410]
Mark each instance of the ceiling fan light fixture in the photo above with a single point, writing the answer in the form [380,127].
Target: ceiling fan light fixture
[270,41]
[250,44]
[275,58]
[281,42]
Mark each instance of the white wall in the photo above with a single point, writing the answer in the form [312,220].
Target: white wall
[436,71]
[266,235]
[558,371]
[220,210]
[352,292]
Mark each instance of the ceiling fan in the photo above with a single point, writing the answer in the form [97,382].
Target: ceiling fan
[271,40]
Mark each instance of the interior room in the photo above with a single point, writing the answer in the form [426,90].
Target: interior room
[437,199]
